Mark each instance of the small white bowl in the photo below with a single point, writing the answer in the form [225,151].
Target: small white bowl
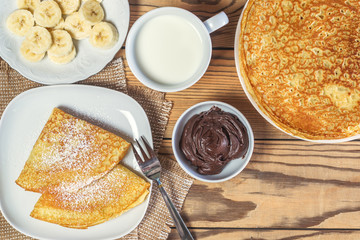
[234,167]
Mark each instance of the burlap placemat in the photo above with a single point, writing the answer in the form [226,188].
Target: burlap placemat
[155,224]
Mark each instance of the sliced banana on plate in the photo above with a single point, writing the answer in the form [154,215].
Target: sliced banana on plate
[39,39]
[60,25]
[62,43]
[64,59]
[77,26]
[47,14]
[20,22]
[68,6]
[46,31]
[92,12]
[28,4]
[28,54]
[103,35]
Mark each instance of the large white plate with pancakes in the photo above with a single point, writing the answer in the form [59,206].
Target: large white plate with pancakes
[20,126]
[254,102]
[88,61]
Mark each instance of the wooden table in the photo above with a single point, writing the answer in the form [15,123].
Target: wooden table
[291,189]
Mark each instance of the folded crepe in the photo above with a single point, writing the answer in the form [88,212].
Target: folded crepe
[104,199]
[69,154]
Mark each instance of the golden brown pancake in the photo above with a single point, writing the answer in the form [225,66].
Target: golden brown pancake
[69,154]
[104,199]
[300,61]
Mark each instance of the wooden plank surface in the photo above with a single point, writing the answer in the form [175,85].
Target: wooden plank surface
[287,184]
[261,234]
[291,189]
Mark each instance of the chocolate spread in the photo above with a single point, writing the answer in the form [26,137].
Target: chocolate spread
[213,138]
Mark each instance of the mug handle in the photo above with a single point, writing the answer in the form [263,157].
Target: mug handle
[216,22]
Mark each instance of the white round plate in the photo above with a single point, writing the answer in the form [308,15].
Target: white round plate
[88,61]
[237,63]
[20,126]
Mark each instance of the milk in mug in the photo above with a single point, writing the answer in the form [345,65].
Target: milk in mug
[169,49]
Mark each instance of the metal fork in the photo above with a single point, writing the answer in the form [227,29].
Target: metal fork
[151,167]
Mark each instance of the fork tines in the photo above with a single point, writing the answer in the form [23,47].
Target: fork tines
[149,165]
[145,156]
[137,156]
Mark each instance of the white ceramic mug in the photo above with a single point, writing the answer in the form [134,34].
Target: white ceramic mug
[143,47]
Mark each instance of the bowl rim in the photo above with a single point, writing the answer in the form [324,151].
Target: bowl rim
[176,135]
[131,55]
[251,99]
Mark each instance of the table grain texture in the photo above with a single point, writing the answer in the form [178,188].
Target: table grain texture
[291,189]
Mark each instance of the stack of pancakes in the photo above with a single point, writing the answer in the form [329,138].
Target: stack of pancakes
[300,61]
[74,164]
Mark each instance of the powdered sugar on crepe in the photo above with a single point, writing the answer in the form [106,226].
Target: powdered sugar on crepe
[69,154]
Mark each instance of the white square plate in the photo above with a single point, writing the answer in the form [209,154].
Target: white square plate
[20,126]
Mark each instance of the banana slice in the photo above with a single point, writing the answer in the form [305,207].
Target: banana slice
[92,12]
[60,25]
[47,14]
[39,39]
[28,4]
[20,22]
[62,43]
[25,50]
[103,35]
[76,26]
[64,59]
[68,6]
